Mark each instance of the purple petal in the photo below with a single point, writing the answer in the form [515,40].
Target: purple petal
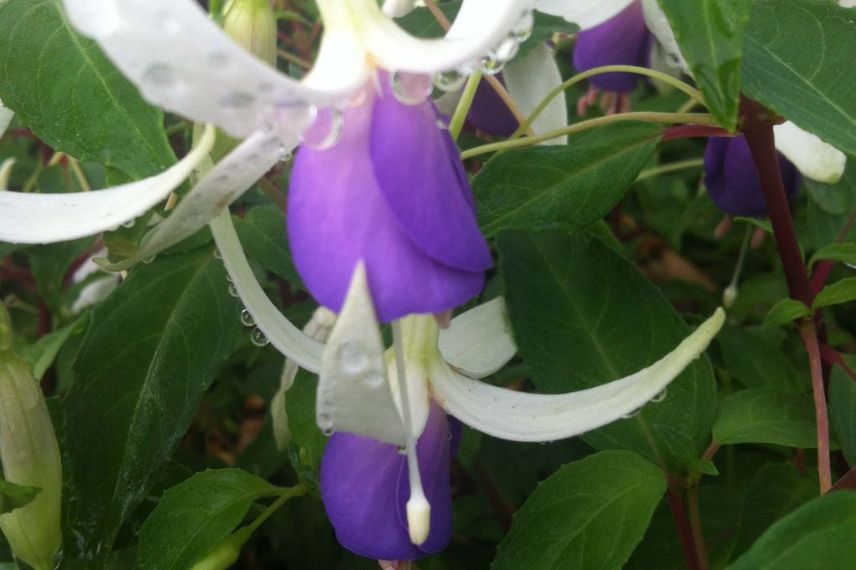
[338,215]
[419,177]
[621,40]
[733,182]
[490,114]
[365,488]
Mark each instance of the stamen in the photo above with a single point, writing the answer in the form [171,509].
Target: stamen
[418,508]
[730,293]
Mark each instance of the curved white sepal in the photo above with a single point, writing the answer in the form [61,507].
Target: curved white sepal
[814,158]
[519,416]
[183,62]
[5,173]
[5,118]
[658,24]
[318,328]
[48,218]
[478,28]
[281,333]
[529,80]
[218,188]
[354,393]
[398,8]
[584,13]
[479,342]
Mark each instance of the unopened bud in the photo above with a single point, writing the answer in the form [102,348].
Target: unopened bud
[252,24]
[30,457]
[729,296]
[226,553]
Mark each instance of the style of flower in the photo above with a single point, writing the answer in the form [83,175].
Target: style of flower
[732,180]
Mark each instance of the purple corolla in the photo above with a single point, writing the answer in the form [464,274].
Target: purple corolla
[391,192]
[732,180]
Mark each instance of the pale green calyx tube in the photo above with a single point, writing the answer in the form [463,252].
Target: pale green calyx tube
[30,457]
[252,24]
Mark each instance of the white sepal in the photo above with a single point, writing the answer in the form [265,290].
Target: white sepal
[658,23]
[529,80]
[479,27]
[519,416]
[479,342]
[183,62]
[354,394]
[584,13]
[6,173]
[5,118]
[226,182]
[48,218]
[816,159]
[398,8]
[281,333]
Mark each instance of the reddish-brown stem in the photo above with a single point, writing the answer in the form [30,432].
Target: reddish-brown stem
[694,131]
[758,128]
[682,525]
[832,356]
[846,482]
[809,336]
[824,268]
[696,527]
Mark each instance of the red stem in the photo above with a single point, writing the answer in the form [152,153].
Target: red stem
[809,336]
[682,525]
[694,131]
[834,357]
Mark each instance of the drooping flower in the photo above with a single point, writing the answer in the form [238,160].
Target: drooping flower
[732,179]
[390,193]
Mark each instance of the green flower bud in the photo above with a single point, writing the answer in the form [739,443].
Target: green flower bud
[252,24]
[226,553]
[30,457]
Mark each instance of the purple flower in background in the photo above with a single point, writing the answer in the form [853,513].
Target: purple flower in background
[733,182]
[621,40]
[393,193]
[490,114]
[364,485]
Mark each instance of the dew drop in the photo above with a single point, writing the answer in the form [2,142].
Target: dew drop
[411,88]
[660,397]
[233,291]
[401,449]
[149,259]
[352,357]
[284,154]
[522,30]
[159,75]
[327,432]
[443,124]
[632,414]
[448,81]
[217,253]
[507,49]
[247,319]
[258,338]
[326,129]
[129,224]
[491,64]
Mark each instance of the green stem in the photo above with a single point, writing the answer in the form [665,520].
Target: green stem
[670,167]
[645,117]
[287,495]
[693,93]
[464,104]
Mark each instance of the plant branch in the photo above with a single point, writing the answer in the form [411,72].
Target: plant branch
[682,525]
[809,337]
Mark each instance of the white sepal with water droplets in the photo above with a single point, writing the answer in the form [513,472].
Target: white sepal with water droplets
[520,416]
[658,24]
[529,79]
[354,394]
[478,342]
[814,158]
[48,218]
[584,13]
[281,333]
[5,118]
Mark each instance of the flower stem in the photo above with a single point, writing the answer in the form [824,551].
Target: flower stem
[645,117]
[464,104]
[679,515]
[670,167]
[809,336]
[696,527]
[668,79]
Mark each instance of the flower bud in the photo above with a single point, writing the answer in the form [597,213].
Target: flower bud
[252,24]
[30,457]
[226,553]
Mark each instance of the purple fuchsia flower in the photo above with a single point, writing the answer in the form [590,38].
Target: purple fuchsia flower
[733,182]
[391,193]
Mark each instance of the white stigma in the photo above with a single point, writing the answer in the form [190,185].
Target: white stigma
[418,507]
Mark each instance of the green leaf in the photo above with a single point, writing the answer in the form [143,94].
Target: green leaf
[262,234]
[839,292]
[710,35]
[422,24]
[764,366]
[584,315]
[307,440]
[819,534]
[151,351]
[838,199]
[761,224]
[842,408]
[784,312]
[41,354]
[543,28]
[14,496]
[590,513]
[794,57]
[63,88]
[842,252]
[761,415]
[196,515]
[562,187]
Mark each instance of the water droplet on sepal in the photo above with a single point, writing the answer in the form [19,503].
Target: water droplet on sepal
[411,88]
[247,318]
[325,130]
[258,338]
